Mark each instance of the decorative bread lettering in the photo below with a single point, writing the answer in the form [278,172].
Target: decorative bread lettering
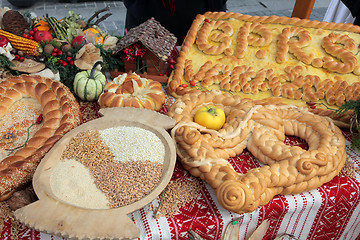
[345,60]
[251,56]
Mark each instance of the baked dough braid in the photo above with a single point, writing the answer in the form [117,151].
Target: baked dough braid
[222,38]
[61,113]
[285,44]
[260,127]
[263,37]
[348,60]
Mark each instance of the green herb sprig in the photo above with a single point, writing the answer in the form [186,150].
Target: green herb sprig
[111,61]
[353,106]
[38,121]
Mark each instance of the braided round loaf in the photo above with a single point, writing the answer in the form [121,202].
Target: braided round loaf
[261,128]
[60,112]
[130,90]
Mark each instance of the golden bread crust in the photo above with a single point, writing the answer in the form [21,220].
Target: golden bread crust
[130,90]
[259,126]
[61,113]
[297,60]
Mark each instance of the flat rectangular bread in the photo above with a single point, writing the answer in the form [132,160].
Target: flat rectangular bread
[293,60]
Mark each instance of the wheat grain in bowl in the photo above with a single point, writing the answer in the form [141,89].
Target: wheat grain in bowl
[108,168]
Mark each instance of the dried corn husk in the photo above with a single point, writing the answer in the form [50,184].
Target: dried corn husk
[87,56]
[49,74]
[110,42]
[260,231]
[232,230]
[6,51]
[28,66]
[283,235]
[194,236]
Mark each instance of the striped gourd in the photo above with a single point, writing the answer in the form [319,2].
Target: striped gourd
[58,29]
[27,46]
[89,85]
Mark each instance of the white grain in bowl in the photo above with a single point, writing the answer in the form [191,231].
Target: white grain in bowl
[133,144]
[71,182]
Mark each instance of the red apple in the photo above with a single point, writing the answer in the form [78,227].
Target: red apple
[43,36]
[79,41]
[3,41]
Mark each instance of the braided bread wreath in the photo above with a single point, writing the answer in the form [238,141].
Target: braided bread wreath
[131,90]
[60,112]
[261,128]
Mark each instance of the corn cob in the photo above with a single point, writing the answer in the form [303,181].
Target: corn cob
[27,46]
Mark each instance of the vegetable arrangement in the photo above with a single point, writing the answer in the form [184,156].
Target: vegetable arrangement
[28,46]
[61,44]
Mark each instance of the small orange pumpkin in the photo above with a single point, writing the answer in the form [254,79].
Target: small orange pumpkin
[44,26]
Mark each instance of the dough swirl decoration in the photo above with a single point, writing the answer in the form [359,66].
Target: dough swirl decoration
[61,113]
[131,90]
[259,126]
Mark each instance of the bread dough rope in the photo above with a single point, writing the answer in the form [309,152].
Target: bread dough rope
[130,90]
[285,44]
[223,37]
[348,60]
[175,83]
[61,113]
[261,128]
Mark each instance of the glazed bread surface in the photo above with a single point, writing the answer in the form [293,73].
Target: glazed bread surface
[60,113]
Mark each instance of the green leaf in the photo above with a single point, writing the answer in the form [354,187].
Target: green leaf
[354,106]
[111,62]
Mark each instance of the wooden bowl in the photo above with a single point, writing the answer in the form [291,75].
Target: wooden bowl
[52,215]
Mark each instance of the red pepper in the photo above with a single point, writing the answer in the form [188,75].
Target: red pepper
[177,175]
[192,83]
[206,20]
[313,107]
[171,61]
[184,85]
[310,103]
[172,67]
[39,119]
